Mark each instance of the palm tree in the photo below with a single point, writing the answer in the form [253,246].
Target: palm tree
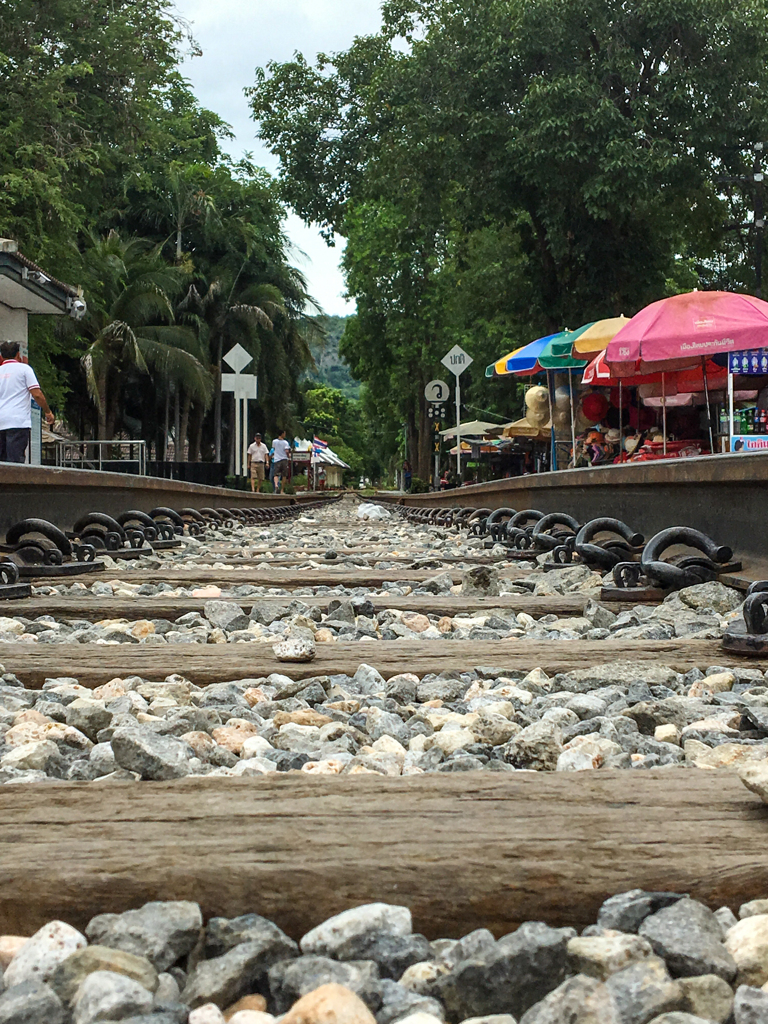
[229,318]
[130,324]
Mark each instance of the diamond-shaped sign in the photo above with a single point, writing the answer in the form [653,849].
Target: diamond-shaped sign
[238,358]
[457,360]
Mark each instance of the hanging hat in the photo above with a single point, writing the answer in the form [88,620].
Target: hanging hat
[594,406]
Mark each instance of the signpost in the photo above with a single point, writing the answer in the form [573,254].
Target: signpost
[244,386]
[457,361]
[436,393]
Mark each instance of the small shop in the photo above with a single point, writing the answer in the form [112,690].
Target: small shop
[683,378]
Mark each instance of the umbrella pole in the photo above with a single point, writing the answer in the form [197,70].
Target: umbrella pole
[730,407]
[709,412]
[664,411]
[573,421]
[621,421]
[553,459]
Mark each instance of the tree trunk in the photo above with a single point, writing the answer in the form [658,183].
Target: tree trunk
[195,431]
[184,424]
[424,437]
[177,454]
[217,398]
[101,410]
[167,426]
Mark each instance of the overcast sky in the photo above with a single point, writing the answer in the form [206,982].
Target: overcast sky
[237,36]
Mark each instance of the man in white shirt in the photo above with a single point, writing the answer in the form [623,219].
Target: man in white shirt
[18,386]
[282,455]
[258,458]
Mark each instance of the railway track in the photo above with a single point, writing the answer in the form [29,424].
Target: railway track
[190,760]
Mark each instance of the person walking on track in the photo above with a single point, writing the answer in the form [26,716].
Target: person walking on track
[18,386]
[282,455]
[258,458]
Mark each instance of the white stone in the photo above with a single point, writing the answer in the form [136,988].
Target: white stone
[604,955]
[667,734]
[419,1018]
[449,740]
[34,755]
[333,933]
[251,1017]
[419,977]
[747,942]
[255,746]
[207,1014]
[295,649]
[754,775]
[43,952]
[106,995]
[590,753]
[254,766]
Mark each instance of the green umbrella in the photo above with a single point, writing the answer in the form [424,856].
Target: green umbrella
[556,354]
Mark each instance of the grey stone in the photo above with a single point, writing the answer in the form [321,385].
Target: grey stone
[398,1002]
[707,996]
[511,976]
[579,1000]
[689,938]
[333,935]
[341,610]
[226,615]
[679,1017]
[31,1002]
[162,932]
[69,975]
[538,746]
[368,680]
[440,584]
[443,687]
[480,581]
[151,755]
[392,953]
[750,1005]
[228,695]
[104,995]
[89,716]
[265,613]
[644,990]
[492,1018]
[627,910]
[385,723]
[223,934]
[225,979]
[292,979]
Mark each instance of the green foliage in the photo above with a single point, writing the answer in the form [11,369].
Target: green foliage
[501,176]
[419,486]
[337,420]
[111,176]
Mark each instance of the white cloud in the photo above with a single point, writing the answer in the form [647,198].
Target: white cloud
[237,36]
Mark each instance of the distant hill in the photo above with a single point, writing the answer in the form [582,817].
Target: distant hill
[331,369]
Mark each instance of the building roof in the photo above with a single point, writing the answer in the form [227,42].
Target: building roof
[326,457]
[25,285]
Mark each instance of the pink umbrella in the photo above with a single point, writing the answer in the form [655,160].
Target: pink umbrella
[692,324]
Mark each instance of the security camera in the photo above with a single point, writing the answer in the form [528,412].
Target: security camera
[77,308]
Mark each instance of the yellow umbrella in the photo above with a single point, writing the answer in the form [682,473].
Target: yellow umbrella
[598,335]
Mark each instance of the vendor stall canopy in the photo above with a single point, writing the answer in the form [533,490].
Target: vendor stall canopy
[566,350]
[693,324]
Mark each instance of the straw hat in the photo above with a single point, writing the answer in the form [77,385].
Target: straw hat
[612,436]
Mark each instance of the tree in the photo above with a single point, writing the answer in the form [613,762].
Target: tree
[582,144]
[130,325]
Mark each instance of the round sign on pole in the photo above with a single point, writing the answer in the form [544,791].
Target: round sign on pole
[436,391]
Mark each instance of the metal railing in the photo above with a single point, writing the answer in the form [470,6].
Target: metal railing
[101,455]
